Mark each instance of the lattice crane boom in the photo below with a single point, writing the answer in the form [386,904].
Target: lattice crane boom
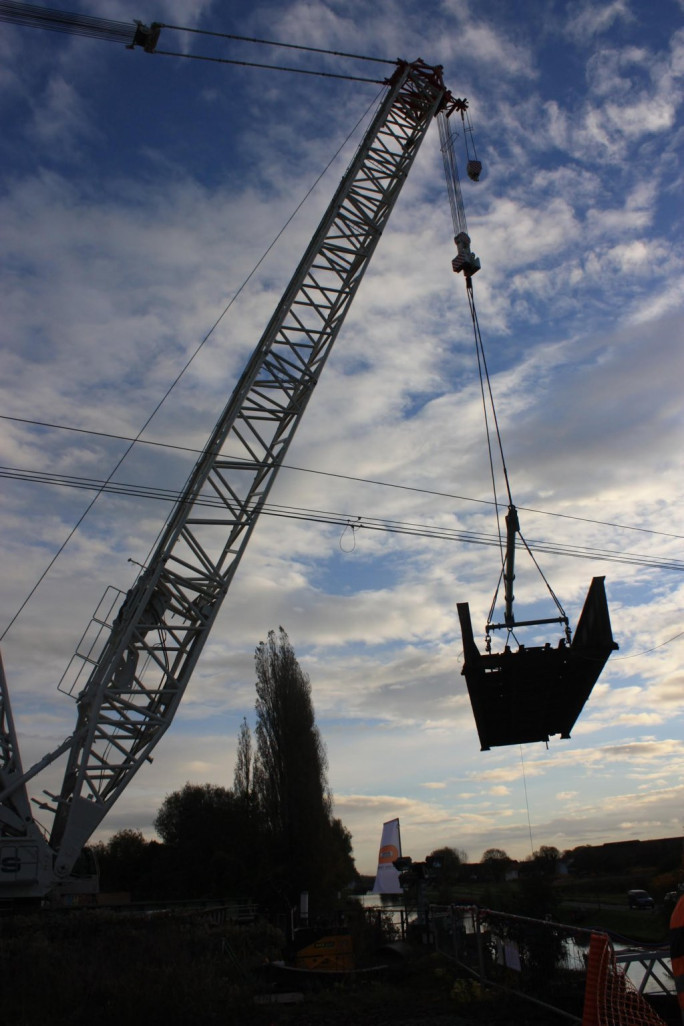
[140,673]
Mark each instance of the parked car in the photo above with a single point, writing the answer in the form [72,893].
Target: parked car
[640,899]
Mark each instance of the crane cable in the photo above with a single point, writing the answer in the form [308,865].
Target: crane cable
[31,16]
[137,34]
[269,67]
[104,485]
[488,397]
[271,42]
[468,263]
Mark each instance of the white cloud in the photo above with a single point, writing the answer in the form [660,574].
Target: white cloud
[592,19]
[115,271]
[60,118]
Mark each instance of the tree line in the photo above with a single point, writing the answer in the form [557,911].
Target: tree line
[267,838]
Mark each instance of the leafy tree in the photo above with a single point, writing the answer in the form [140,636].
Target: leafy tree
[198,813]
[126,845]
[496,862]
[448,875]
[450,860]
[545,860]
[127,862]
[310,850]
[495,855]
[274,830]
[336,864]
[209,833]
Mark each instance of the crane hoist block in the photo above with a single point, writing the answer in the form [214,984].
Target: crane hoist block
[531,693]
[474,170]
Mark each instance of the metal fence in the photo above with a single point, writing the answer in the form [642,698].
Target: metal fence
[541,960]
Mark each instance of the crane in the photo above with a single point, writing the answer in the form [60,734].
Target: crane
[134,671]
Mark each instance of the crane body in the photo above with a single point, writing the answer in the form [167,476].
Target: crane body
[128,685]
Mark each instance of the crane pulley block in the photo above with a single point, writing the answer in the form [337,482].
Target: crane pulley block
[146,36]
[465,260]
[527,695]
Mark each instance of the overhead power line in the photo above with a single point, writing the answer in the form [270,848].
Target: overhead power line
[344,520]
[343,477]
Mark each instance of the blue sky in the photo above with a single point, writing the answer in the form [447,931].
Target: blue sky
[138,192]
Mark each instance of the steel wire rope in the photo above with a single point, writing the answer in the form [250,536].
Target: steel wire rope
[178,377]
[31,16]
[479,350]
[272,42]
[527,801]
[468,131]
[483,365]
[541,572]
[268,67]
[343,519]
[72,23]
[343,477]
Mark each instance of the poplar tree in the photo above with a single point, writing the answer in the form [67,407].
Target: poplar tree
[242,777]
[290,778]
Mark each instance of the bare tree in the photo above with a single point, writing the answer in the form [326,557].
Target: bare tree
[243,776]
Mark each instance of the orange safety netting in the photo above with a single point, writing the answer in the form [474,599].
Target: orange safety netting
[610,998]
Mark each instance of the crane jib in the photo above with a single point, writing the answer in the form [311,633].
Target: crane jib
[155,640]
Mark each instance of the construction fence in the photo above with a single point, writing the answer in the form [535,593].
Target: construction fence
[576,973]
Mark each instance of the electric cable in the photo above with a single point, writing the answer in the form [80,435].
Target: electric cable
[647,651]
[341,519]
[343,477]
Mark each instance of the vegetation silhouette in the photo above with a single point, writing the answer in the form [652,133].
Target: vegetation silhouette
[268,838]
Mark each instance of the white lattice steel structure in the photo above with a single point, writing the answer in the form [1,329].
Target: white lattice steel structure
[134,670]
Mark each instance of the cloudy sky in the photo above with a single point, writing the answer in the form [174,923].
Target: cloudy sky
[139,193]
